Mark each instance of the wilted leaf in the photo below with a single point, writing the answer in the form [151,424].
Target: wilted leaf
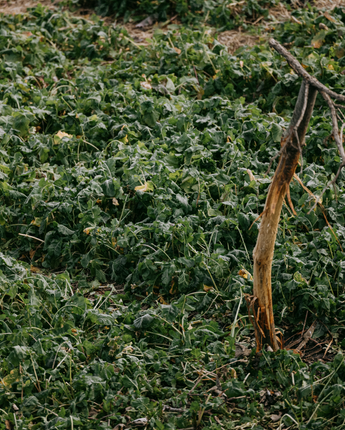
[318,39]
[329,17]
[140,422]
[339,52]
[146,85]
[10,379]
[245,274]
[59,135]
[276,417]
[148,186]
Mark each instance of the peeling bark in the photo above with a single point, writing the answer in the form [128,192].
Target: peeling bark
[260,307]
[260,304]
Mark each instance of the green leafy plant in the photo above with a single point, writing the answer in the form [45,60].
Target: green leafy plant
[130,181]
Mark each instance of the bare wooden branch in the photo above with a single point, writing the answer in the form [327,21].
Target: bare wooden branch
[299,121]
[296,66]
[336,134]
[260,307]
[339,106]
[305,102]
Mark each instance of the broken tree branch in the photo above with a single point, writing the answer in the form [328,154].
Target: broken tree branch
[337,136]
[297,67]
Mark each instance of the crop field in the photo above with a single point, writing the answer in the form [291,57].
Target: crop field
[132,176]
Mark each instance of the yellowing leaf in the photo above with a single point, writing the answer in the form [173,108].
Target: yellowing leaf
[299,278]
[10,379]
[177,50]
[173,289]
[148,186]
[207,288]
[161,299]
[59,135]
[318,39]
[245,274]
[62,134]
[146,85]
[330,67]
[233,373]
[37,222]
[115,202]
[339,52]
[34,269]
[124,139]
[329,17]
[26,33]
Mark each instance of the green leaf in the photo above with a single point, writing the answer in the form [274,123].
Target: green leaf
[65,230]
[277,132]
[143,322]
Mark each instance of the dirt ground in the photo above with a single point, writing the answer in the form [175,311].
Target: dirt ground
[231,39]
[20,6]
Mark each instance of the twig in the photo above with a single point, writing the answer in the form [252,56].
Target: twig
[321,207]
[339,106]
[169,20]
[337,136]
[31,237]
[171,409]
[305,320]
[305,102]
[307,335]
[288,195]
[196,384]
[330,183]
[296,66]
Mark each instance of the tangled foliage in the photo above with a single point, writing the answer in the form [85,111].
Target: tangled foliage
[223,13]
[145,167]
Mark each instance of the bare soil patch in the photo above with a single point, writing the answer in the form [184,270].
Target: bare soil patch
[328,4]
[234,39]
[13,7]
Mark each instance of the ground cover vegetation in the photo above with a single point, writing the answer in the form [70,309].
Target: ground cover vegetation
[130,178]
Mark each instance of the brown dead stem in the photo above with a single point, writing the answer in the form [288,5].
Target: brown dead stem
[260,304]
[291,143]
